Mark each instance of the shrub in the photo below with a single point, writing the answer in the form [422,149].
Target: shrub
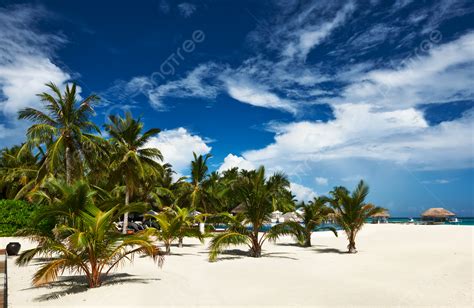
[15,215]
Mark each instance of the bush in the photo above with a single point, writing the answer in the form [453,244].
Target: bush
[15,215]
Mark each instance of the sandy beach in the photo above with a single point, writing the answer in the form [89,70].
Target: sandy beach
[397,265]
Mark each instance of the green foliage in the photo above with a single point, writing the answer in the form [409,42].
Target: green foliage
[176,224]
[260,197]
[85,240]
[15,215]
[351,211]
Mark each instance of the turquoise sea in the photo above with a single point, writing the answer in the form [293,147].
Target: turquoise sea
[463,221]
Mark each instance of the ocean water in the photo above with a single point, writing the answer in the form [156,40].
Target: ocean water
[463,221]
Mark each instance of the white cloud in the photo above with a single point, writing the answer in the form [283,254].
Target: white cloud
[439,76]
[309,37]
[25,65]
[177,147]
[359,131]
[302,193]
[193,85]
[186,9]
[249,93]
[232,161]
[321,181]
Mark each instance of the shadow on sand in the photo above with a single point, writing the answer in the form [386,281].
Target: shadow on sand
[330,250]
[78,284]
[239,254]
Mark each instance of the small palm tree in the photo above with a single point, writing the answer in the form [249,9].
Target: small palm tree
[90,247]
[131,161]
[351,211]
[175,224]
[65,128]
[312,216]
[258,195]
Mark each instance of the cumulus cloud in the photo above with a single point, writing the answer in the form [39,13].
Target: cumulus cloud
[233,161]
[25,64]
[302,193]
[360,131]
[177,146]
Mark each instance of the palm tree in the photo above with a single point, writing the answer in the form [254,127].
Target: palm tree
[259,198]
[91,247]
[312,215]
[131,161]
[18,171]
[65,128]
[351,211]
[175,224]
[199,173]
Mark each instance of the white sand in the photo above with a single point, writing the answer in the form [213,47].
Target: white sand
[397,265]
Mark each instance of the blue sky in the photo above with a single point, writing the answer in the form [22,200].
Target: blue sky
[329,92]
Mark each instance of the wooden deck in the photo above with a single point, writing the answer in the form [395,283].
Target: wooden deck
[3,278]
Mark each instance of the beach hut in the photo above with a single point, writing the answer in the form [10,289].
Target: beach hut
[437,215]
[276,216]
[380,218]
[290,216]
[238,209]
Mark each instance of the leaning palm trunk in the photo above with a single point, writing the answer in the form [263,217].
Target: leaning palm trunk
[125,215]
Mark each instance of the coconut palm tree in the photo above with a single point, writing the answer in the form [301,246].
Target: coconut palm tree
[259,198]
[65,128]
[18,171]
[131,161]
[199,198]
[351,211]
[312,215]
[175,224]
[90,247]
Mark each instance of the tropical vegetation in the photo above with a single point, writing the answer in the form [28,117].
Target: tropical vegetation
[73,187]
[311,216]
[351,211]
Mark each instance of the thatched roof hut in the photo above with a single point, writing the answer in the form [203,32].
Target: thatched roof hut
[437,212]
[290,216]
[383,214]
[239,209]
[437,215]
[381,217]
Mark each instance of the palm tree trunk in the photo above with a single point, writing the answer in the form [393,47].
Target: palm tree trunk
[180,242]
[307,242]
[125,216]
[352,247]
[256,250]
[68,165]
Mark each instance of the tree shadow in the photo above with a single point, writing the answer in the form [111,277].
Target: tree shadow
[78,284]
[278,255]
[289,245]
[330,250]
